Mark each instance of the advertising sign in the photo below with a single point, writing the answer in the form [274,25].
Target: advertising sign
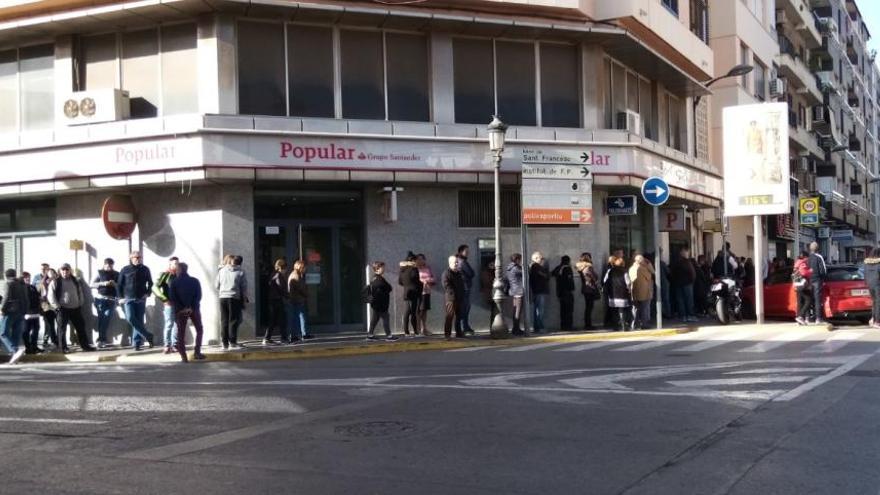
[842,235]
[809,210]
[557,194]
[620,205]
[756,168]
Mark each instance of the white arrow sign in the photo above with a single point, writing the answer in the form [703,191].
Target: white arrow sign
[658,191]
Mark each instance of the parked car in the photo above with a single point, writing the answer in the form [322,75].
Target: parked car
[845,295]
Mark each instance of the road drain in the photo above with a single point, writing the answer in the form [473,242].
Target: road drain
[375,429]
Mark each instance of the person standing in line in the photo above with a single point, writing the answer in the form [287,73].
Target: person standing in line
[453,294]
[513,274]
[618,283]
[610,319]
[487,279]
[66,297]
[683,277]
[819,272]
[231,287]
[105,299]
[133,287]
[185,294]
[408,278]
[426,277]
[380,301]
[701,285]
[160,290]
[32,316]
[641,274]
[12,311]
[565,292]
[299,296]
[46,311]
[872,280]
[37,279]
[801,275]
[467,274]
[539,284]
[278,314]
[589,287]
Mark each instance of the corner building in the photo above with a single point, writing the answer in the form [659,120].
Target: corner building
[341,133]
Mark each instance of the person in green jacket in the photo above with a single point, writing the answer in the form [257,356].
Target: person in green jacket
[161,291]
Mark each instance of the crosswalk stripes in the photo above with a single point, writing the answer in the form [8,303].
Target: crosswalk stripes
[651,344]
[726,339]
[776,341]
[543,345]
[834,343]
[597,345]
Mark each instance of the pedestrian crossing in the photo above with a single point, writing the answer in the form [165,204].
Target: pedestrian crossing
[744,341]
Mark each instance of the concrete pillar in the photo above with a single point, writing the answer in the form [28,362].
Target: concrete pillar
[217,78]
[442,79]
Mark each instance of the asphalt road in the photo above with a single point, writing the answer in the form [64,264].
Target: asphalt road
[772,411]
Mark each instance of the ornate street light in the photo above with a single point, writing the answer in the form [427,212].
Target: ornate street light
[497,132]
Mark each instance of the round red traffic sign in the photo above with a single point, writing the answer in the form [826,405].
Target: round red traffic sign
[119,216]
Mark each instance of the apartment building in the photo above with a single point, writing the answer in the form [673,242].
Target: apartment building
[339,132]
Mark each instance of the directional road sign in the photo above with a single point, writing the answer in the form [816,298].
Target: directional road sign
[655,191]
[557,194]
[620,205]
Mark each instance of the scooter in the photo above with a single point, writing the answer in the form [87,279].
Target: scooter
[725,300]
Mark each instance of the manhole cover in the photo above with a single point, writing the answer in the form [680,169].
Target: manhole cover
[374,429]
[865,373]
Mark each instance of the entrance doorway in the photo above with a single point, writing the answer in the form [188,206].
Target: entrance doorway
[325,230]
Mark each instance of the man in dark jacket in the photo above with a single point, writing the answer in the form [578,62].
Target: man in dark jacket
[12,311]
[133,287]
[539,285]
[105,299]
[31,317]
[412,292]
[453,294]
[185,295]
[820,273]
[467,274]
[564,276]
[380,301]
[683,276]
[66,296]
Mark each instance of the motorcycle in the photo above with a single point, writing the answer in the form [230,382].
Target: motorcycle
[725,300]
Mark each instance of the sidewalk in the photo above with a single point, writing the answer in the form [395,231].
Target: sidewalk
[356,344]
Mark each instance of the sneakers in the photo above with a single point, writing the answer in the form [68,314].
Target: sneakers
[199,356]
[18,354]
[235,345]
[268,342]
[800,321]
[391,338]
[372,337]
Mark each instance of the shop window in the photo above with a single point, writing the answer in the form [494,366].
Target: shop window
[515,69]
[37,83]
[560,79]
[407,77]
[179,69]
[476,209]
[310,71]
[261,78]
[140,72]
[9,90]
[362,75]
[473,78]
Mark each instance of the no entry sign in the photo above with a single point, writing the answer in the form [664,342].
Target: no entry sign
[119,216]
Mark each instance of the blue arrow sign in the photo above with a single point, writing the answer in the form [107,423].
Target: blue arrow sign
[655,191]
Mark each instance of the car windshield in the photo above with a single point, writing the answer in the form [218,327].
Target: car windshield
[845,273]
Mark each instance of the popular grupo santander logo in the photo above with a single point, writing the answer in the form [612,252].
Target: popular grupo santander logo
[309,154]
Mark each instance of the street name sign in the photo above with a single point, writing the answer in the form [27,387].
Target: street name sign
[557,194]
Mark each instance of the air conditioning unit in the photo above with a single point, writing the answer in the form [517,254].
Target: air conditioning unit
[92,107]
[629,121]
[777,87]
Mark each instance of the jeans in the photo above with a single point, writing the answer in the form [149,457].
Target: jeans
[539,306]
[299,320]
[642,314]
[169,337]
[452,308]
[180,321]
[74,317]
[230,319]
[875,304]
[684,295]
[566,311]
[134,315]
[288,310]
[817,300]
[375,316]
[462,318]
[31,333]
[105,308]
[805,301]
[49,332]
[11,328]
[411,314]
[278,319]
[589,302]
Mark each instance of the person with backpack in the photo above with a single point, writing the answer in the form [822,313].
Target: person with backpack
[513,277]
[105,299]
[800,278]
[454,293]
[589,287]
[12,310]
[872,280]
[277,291]
[32,316]
[185,294]
[133,288]
[819,272]
[160,290]
[408,278]
[564,276]
[66,297]
[378,296]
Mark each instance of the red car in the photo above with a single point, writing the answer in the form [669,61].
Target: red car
[844,295]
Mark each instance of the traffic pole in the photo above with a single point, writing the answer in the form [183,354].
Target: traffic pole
[759,270]
[657,271]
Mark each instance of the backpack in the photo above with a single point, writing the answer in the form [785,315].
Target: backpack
[367,294]
[590,286]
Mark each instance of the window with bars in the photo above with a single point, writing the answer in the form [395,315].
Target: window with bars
[476,209]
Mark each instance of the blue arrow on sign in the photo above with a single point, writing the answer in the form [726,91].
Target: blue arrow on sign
[655,191]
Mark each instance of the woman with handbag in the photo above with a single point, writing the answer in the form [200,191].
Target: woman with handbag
[800,278]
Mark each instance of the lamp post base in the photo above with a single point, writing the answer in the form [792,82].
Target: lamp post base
[499,328]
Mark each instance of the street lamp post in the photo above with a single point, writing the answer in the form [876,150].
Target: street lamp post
[497,131]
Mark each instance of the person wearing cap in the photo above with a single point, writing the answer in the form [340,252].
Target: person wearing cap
[105,299]
[12,311]
[160,290]
[133,287]
[66,298]
[185,294]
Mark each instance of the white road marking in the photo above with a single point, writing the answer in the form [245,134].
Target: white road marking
[766,371]
[597,345]
[724,339]
[820,380]
[834,343]
[732,382]
[661,342]
[507,379]
[776,341]
[610,381]
[55,420]
[543,345]
[163,404]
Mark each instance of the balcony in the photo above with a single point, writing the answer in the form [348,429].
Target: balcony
[801,138]
[795,71]
[797,13]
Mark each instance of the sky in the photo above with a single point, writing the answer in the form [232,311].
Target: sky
[870,10]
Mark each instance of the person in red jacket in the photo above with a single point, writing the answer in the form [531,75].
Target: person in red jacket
[800,277]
